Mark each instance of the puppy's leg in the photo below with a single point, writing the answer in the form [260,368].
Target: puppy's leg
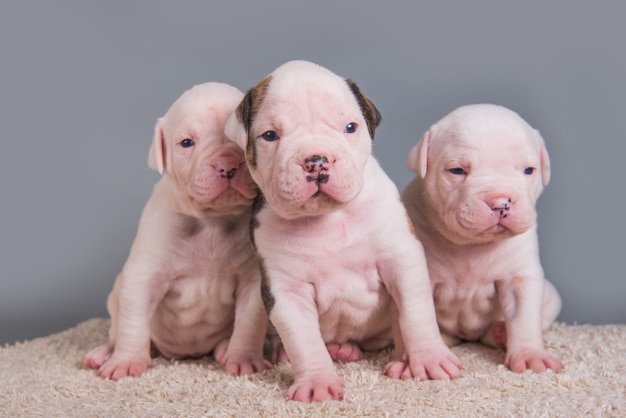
[99,355]
[496,334]
[424,354]
[245,349]
[522,303]
[295,317]
[551,305]
[139,295]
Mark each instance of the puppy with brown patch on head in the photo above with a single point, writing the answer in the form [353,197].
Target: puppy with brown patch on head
[191,284]
[342,271]
[480,170]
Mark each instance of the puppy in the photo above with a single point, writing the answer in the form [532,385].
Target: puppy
[191,284]
[340,265]
[480,170]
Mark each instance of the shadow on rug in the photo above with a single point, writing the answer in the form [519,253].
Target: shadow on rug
[45,377]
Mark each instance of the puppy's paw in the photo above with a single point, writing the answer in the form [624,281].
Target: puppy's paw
[438,364]
[246,365]
[98,356]
[316,389]
[536,359]
[118,367]
[344,352]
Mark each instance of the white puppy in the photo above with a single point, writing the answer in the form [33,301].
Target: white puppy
[338,256]
[191,284]
[480,170]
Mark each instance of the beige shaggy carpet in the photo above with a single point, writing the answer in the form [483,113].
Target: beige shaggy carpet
[45,377]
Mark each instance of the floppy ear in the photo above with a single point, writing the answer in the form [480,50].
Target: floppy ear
[156,155]
[234,128]
[545,160]
[417,160]
[370,113]
[239,125]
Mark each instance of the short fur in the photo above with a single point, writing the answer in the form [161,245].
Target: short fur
[480,170]
[190,285]
[343,271]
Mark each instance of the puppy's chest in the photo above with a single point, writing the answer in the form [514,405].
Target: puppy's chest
[208,245]
[337,257]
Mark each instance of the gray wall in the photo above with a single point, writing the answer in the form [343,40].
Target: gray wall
[82,84]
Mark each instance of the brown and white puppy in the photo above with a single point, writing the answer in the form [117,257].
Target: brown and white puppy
[191,284]
[340,263]
[480,170]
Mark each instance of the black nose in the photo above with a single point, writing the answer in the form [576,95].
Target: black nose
[317,167]
[316,163]
[229,174]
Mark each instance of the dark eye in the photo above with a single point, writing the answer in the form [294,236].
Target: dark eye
[457,171]
[186,143]
[529,170]
[270,136]
[350,128]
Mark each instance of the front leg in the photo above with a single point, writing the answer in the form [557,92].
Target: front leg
[521,301]
[137,298]
[244,354]
[296,319]
[420,351]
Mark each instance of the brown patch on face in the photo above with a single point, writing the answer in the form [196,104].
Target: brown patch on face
[370,113]
[247,111]
[266,293]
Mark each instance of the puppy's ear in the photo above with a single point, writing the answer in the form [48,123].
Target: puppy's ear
[156,155]
[370,113]
[234,128]
[244,115]
[417,160]
[545,159]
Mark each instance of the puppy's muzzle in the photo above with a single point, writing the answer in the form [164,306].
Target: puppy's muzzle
[317,167]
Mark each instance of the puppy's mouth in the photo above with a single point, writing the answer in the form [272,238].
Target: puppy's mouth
[318,180]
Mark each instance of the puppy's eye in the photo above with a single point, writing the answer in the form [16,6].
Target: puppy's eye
[186,143]
[270,136]
[457,170]
[350,128]
[529,170]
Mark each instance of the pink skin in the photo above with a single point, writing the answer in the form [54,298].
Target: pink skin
[316,389]
[480,170]
[347,352]
[179,292]
[430,366]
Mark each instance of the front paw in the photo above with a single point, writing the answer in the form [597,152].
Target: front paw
[435,363]
[537,360]
[245,365]
[316,389]
[117,367]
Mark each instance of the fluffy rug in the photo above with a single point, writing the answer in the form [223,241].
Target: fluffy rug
[45,377]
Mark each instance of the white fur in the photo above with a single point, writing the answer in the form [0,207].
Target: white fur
[191,282]
[342,265]
[479,230]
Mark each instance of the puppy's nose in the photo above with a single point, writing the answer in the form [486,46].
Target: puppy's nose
[226,169]
[501,205]
[317,168]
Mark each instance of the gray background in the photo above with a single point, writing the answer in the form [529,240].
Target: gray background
[82,84]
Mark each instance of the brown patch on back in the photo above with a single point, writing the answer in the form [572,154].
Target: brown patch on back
[370,113]
[247,111]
